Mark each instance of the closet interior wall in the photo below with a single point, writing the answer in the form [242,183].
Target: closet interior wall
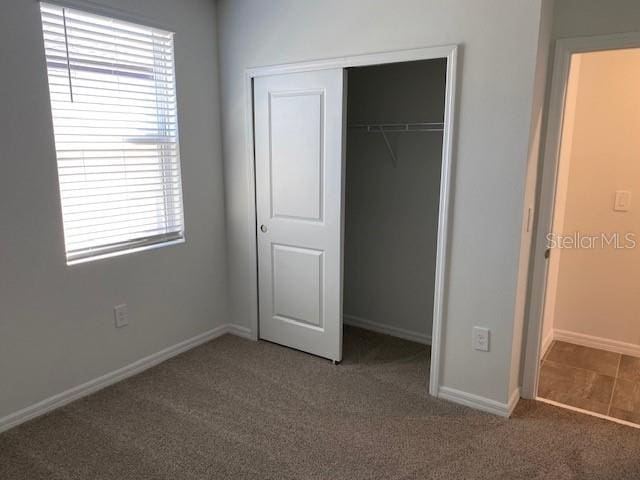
[392,210]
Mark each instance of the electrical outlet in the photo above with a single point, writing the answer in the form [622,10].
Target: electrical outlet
[480,339]
[121,315]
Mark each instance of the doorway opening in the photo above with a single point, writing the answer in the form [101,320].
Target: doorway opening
[590,347]
[395,123]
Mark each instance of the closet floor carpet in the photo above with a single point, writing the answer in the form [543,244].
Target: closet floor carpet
[233,408]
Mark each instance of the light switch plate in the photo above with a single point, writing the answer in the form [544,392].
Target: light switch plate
[623,201]
[121,315]
[480,339]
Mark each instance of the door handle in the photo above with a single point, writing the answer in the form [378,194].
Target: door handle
[263,228]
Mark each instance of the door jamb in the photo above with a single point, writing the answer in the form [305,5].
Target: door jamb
[565,48]
[450,52]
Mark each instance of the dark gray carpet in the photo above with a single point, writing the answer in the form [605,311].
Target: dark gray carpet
[239,409]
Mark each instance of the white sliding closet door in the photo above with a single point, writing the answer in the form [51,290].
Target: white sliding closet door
[299,128]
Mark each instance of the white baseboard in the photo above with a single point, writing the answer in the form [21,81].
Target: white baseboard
[546,343]
[588,412]
[386,329]
[614,346]
[513,401]
[480,403]
[239,331]
[92,386]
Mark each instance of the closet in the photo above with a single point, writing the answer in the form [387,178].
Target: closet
[348,165]
[395,115]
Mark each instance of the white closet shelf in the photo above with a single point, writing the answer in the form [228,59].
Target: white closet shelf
[385,128]
[399,127]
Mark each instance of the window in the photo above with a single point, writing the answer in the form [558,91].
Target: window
[113,102]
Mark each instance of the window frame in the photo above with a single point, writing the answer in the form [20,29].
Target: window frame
[134,245]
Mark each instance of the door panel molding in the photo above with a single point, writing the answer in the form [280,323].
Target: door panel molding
[302,140]
[279,290]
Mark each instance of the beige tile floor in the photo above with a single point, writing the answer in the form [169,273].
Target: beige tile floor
[591,379]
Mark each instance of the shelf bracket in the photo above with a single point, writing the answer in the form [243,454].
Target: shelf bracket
[394,161]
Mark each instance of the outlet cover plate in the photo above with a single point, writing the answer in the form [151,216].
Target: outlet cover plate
[121,315]
[481,339]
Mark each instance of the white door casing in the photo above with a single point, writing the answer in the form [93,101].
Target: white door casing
[299,128]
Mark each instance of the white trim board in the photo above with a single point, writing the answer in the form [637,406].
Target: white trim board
[365,324]
[92,386]
[587,412]
[481,403]
[450,52]
[239,331]
[600,343]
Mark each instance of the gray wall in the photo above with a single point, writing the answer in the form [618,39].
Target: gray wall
[56,324]
[499,40]
[392,213]
[575,18]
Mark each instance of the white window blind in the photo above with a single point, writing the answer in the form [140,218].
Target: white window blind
[113,102]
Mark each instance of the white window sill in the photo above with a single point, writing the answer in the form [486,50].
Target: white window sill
[126,252]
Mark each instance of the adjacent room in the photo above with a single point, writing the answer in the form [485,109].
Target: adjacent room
[309,239]
[591,338]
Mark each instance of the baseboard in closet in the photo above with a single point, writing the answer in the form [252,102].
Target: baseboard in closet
[386,329]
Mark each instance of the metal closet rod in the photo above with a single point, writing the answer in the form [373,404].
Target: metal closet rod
[383,128]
